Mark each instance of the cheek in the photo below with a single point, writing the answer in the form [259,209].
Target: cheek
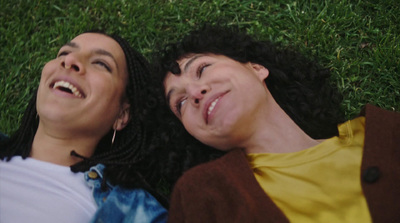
[193,127]
[188,123]
[47,70]
[119,91]
[108,98]
[106,86]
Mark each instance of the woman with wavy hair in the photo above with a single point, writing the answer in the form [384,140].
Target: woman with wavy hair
[287,154]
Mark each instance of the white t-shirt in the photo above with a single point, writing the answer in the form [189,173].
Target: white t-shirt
[37,191]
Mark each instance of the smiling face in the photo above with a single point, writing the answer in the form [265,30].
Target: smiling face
[81,90]
[217,99]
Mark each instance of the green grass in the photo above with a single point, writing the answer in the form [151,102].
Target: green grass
[358,40]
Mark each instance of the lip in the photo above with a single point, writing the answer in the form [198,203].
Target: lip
[70,81]
[208,104]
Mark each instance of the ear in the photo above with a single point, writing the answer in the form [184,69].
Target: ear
[123,117]
[260,70]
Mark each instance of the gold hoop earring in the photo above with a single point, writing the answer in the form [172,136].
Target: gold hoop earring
[113,138]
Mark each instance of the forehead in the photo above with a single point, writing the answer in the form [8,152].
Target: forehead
[184,63]
[97,41]
[189,58]
[188,61]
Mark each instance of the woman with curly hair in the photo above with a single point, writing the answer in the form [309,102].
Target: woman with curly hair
[289,155]
[83,150]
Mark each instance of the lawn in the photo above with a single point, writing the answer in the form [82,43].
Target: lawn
[358,40]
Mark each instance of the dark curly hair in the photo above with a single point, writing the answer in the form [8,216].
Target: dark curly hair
[129,160]
[300,86]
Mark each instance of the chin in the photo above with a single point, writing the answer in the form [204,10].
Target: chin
[224,147]
[52,115]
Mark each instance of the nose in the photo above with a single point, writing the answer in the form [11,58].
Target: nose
[72,62]
[197,92]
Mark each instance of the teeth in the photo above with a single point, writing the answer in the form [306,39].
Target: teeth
[68,85]
[211,108]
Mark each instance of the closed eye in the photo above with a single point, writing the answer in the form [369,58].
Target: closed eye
[179,105]
[103,64]
[201,68]
[63,53]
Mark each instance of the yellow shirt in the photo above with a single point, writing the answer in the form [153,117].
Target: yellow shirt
[321,183]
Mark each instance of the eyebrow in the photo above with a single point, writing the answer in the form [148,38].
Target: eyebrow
[187,65]
[71,44]
[96,51]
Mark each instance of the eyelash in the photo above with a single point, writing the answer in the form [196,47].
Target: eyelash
[62,53]
[179,104]
[101,63]
[201,68]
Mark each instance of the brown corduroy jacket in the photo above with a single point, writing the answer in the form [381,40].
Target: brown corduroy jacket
[225,190]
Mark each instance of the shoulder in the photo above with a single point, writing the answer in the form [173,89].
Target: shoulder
[132,205]
[215,173]
[139,199]
[380,165]
[374,112]
[378,118]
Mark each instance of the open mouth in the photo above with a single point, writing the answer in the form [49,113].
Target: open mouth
[68,88]
[212,105]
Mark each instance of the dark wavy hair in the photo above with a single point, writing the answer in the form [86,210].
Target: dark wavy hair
[301,86]
[129,160]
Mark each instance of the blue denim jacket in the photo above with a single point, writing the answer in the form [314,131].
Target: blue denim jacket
[123,205]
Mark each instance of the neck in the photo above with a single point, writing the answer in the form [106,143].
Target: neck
[55,147]
[278,133]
